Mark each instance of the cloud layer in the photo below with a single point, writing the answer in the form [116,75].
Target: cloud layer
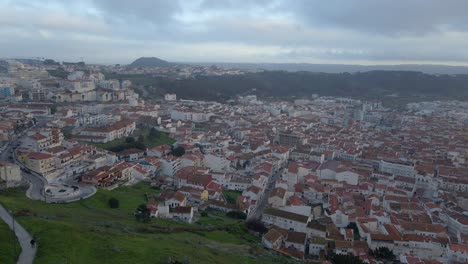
[315,31]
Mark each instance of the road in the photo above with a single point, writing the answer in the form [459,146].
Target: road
[263,202]
[24,238]
[37,183]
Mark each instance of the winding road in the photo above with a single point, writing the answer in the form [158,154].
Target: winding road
[24,238]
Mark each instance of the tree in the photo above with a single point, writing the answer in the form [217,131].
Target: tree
[178,152]
[114,203]
[345,259]
[236,215]
[383,253]
[141,138]
[256,226]
[142,213]
[130,140]
[53,109]
[154,133]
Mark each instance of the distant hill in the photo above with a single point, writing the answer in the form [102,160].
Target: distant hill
[340,68]
[150,62]
[284,84]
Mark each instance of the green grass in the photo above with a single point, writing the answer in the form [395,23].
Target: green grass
[88,231]
[154,142]
[231,196]
[149,142]
[8,244]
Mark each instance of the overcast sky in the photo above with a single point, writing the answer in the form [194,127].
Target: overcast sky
[313,31]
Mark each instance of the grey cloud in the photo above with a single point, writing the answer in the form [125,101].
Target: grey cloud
[302,30]
[154,11]
[397,17]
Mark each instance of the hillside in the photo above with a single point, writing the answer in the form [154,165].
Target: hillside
[90,232]
[280,84]
[150,62]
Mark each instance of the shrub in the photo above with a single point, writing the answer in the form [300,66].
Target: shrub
[236,215]
[114,203]
[256,226]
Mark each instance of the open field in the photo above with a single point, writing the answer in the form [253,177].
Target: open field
[8,242]
[88,231]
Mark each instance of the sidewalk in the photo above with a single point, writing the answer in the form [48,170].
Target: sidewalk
[27,252]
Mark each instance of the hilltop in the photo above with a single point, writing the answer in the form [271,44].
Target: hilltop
[150,62]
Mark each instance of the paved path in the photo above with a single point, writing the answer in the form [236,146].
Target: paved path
[27,252]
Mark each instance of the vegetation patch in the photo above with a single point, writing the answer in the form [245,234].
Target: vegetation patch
[9,246]
[89,231]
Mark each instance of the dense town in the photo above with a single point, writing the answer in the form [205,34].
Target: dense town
[323,175]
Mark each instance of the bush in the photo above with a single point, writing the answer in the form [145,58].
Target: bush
[178,152]
[130,140]
[114,203]
[237,215]
[256,226]
[204,214]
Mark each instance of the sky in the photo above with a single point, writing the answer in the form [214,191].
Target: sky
[259,31]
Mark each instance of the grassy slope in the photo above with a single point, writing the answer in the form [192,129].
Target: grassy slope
[89,232]
[7,248]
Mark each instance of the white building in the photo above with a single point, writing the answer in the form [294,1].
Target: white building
[10,173]
[285,220]
[170,97]
[397,168]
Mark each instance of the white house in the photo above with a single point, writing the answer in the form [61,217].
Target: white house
[457,253]
[285,220]
[347,175]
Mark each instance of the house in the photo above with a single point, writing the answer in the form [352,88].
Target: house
[107,133]
[285,220]
[132,154]
[457,223]
[239,184]
[176,199]
[260,180]
[347,175]
[457,253]
[339,218]
[139,173]
[170,166]
[277,197]
[109,175]
[10,173]
[217,163]
[195,195]
[272,239]
[296,240]
[317,245]
[343,247]
[327,170]
[183,213]
[315,229]
[253,192]
[40,162]
[159,151]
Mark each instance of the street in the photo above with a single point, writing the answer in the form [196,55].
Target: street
[263,202]
[37,183]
